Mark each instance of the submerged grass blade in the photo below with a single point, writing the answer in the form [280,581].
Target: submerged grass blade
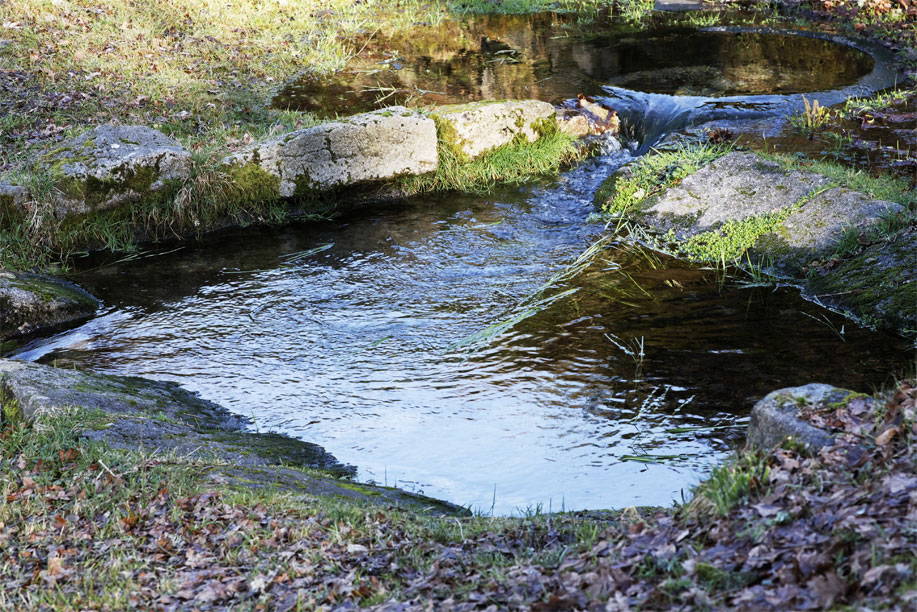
[648,458]
[298,256]
[534,302]
[483,337]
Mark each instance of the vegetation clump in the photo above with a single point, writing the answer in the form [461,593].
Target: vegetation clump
[512,163]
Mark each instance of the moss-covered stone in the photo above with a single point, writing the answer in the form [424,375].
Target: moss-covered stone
[877,285]
[252,182]
[30,303]
[111,165]
[134,413]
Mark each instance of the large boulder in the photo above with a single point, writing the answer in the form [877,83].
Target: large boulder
[778,416]
[30,303]
[732,188]
[375,146]
[814,215]
[478,127]
[791,222]
[109,166]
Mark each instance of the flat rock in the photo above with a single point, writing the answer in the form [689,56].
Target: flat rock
[161,417]
[813,231]
[113,165]
[478,127]
[32,302]
[777,417]
[375,146]
[734,187]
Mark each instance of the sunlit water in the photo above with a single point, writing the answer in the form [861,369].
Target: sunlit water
[353,347]
[354,334]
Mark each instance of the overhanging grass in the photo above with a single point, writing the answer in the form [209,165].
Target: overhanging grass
[209,199]
[513,163]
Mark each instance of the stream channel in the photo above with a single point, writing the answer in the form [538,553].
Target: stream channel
[413,340]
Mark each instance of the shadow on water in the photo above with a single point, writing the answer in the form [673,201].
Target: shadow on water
[616,386]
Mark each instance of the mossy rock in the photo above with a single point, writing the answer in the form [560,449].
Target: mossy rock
[877,285]
[111,165]
[473,129]
[31,303]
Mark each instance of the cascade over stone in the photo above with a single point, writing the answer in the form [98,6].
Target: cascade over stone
[113,165]
[479,127]
[374,146]
[31,302]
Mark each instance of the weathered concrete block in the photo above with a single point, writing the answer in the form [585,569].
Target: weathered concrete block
[113,165]
[374,146]
[30,302]
[479,127]
[776,417]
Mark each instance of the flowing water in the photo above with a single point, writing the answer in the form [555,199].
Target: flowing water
[439,345]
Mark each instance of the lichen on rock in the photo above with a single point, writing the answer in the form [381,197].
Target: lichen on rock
[376,146]
[109,166]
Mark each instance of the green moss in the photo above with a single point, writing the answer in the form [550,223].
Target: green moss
[448,139]
[10,410]
[359,488]
[730,242]
[254,183]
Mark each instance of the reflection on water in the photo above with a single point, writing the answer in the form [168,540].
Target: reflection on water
[351,347]
[543,57]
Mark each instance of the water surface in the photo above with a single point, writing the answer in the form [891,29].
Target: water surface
[354,347]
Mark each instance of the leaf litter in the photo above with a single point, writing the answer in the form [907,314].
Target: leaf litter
[825,530]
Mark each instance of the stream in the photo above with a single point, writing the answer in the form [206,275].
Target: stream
[438,344]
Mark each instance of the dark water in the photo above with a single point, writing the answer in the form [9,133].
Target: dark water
[354,347]
[427,343]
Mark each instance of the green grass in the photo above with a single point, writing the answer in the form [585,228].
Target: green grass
[731,484]
[856,107]
[883,187]
[652,173]
[513,163]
